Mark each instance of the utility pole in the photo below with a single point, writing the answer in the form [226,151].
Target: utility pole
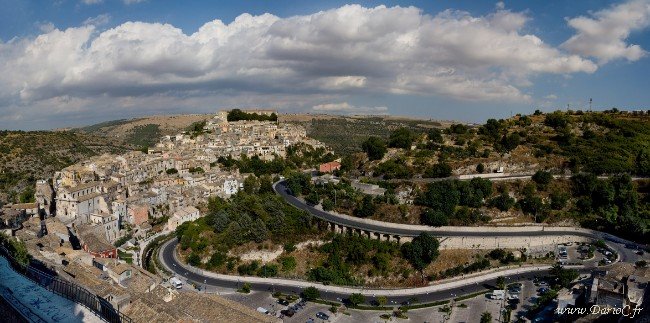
[590,101]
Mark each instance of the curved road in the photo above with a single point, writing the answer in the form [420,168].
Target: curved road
[427,294]
[406,230]
[431,293]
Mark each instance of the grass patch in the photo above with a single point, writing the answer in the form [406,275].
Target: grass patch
[468,296]
[425,305]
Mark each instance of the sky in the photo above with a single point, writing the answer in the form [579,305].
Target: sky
[67,63]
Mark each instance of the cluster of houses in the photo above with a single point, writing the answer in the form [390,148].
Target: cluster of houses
[137,195]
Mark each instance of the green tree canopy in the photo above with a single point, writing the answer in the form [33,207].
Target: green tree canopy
[421,251]
[401,138]
[310,293]
[374,147]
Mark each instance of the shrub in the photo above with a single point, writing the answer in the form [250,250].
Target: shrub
[310,293]
[439,170]
[375,147]
[246,288]
[356,299]
[288,263]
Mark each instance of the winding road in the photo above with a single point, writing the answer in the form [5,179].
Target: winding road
[431,293]
[436,292]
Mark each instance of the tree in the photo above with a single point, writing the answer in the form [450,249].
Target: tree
[313,198]
[558,200]
[382,300]
[310,293]
[561,276]
[401,138]
[458,128]
[486,317]
[374,147]
[503,202]
[421,251]
[439,170]
[356,299]
[194,259]
[510,142]
[442,196]
[643,162]
[366,208]
[266,184]
[288,263]
[251,184]
[492,129]
[480,168]
[268,270]
[434,218]
[328,204]
[501,282]
[542,178]
[171,171]
[435,135]
[556,119]
[246,288]
[217,259]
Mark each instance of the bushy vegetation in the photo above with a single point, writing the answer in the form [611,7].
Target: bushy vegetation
[244,218]
[298,156]
[443,198]
[346,134]
[374,147]
[22,164]
[612,205]
[237,115]
[344,253]
[16,249]
[144,136]
[422,251]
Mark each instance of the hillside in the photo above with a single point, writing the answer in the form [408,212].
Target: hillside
[142,132]
[604,158]
[344,134]
[28,156]
[600,143]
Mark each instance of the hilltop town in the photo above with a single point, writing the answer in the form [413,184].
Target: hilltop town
[128,200]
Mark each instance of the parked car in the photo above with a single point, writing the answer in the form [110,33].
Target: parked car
[263,310]
[322,316]
[640,252]
[287,312]
[283,302]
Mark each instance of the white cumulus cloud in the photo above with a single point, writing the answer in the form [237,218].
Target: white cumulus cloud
[604,34]
[98,20]
[342,51]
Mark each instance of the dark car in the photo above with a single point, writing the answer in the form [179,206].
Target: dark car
[322,316]
[288,313]
[640,252]
[543,290]
[283,302]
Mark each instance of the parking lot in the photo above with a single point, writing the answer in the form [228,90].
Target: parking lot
[574,253]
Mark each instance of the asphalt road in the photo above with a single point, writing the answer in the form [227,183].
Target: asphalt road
[168,249]
[388,228]
[168,259]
